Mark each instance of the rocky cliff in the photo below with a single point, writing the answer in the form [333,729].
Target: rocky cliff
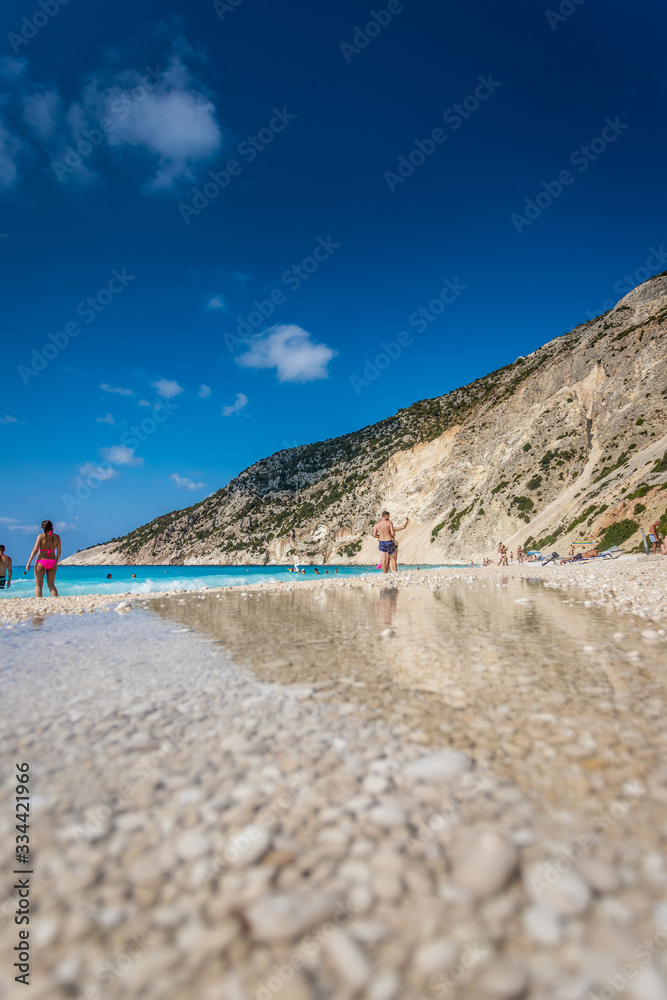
[569,442]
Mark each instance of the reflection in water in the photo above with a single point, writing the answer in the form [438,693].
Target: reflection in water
[386,605]
[471,665]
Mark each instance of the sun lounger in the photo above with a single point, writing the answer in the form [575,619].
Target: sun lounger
[612,553]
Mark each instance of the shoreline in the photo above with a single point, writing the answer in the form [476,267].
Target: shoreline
[630,584]
[380,808]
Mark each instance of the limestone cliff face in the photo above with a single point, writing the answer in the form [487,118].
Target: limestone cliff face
[575,432]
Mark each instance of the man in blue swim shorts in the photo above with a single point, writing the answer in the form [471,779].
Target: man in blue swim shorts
[385,532]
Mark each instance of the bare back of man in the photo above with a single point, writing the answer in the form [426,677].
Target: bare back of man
[5,569]
[383,530]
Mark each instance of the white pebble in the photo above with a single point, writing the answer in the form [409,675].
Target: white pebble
[385,985]
[650,635]
[445,766]
[566,894]
[387,816]
[542,925]
[287,915]
[191,845]
[375,784]
[435,956]
[485,863]
[348,960]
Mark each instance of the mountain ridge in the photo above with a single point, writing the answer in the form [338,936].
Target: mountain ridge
[592,404]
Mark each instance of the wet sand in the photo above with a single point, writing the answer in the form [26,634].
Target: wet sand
[336,791]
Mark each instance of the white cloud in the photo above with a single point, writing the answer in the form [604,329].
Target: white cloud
[120,454]
[64,526]
[101,471]
[183,483]
[106,420]
[28,529]
[8,520]
[172,118]
[216,302]
[240,401]
[167,388]
[204,391]
[165,123]
[11,68]
[8,420]
[291,351]
[117,389]
[144,402]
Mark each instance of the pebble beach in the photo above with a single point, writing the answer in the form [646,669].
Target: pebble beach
[446,783]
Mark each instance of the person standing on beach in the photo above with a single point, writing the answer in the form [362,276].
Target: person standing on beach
[49,547]
[385,532]
[5,569]
[393,562]
[519,554]
[654,537]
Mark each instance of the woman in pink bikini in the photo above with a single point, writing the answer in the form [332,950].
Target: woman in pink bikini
[49,547]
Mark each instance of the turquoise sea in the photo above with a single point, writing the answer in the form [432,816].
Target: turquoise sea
[78,580]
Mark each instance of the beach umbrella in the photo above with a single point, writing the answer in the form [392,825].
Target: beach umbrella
[533,552]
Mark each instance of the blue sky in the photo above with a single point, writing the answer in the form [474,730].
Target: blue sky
[213,223]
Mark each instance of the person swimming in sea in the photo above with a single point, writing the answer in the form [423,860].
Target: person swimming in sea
[49,547]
